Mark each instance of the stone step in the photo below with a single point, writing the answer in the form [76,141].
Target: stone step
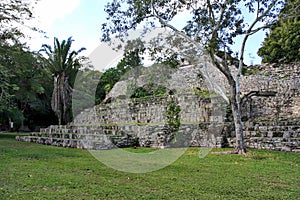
[284,134]
[275,128]
[113,130]
[86,143]
[72,135]
[81,127]
[89,132]
[280,144]
[288,122]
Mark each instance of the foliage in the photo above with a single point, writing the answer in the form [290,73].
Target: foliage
[6,89]
[202,92]
[205,93]
[131,59]
[140,92]
[22,89]
[165,57]
[107,80]
[63,64]
[62,173]
[282,44]
[248,71]
[149,90]
[173,117]
[25,87]
[159,90]
[12,13]
[214,24]
[132,56]
[171,61]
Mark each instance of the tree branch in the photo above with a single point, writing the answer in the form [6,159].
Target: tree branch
[210,13]
[162,21]
[251,32]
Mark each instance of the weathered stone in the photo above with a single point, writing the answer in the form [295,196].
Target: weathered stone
[271,122]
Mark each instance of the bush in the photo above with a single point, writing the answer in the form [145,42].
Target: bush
[148,90]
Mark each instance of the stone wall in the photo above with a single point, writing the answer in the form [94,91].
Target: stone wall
[273,135]
[119,123]
[146,119]
[271,121]
[284,104]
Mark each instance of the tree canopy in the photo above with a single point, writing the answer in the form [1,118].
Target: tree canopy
[132,58]
[24,87]
[13,15]
[282,44]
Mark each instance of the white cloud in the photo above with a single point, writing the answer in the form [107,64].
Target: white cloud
[47,11]
[179,21]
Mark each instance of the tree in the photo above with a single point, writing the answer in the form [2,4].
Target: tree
[13,15]
[5,89]
[33,83]
[213,26]
[63,64]
[282,44]
[24,88]
[107,80]
[12,12]
[132,58]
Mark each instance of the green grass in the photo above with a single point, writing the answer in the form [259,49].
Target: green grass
[33,171]
[140,150]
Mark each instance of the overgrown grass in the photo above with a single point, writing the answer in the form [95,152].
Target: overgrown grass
[33,171]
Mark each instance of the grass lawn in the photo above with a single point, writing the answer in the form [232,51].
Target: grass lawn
[33,171]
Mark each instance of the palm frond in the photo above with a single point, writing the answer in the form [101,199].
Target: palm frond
[63,64]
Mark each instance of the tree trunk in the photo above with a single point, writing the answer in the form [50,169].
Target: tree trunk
[56,103]
[235,103]
[63,97]
[237,118]
[58,113]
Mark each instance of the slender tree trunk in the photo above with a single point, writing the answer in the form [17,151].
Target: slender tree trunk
[59,117]
[235,104]
[237,118]
[56,102]
[62,96]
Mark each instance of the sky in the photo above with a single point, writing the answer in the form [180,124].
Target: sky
[82,20]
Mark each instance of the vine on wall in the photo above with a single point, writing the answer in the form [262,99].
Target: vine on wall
[173,118]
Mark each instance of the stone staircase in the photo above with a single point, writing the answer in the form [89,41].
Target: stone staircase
[83,137]
[65,136]
[282,135]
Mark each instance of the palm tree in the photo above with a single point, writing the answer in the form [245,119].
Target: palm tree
[63,64]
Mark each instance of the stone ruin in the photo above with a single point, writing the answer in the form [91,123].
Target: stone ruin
[270,103]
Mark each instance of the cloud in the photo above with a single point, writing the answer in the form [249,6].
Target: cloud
[47,11]
[179,21]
